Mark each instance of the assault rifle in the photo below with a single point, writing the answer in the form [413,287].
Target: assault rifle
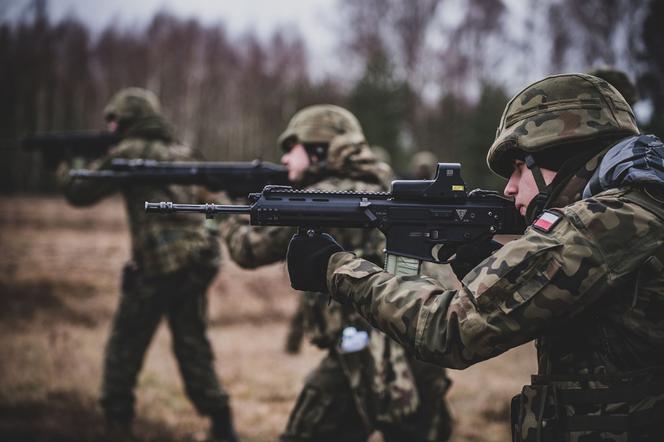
[423,220]
[57,145]
[236,178]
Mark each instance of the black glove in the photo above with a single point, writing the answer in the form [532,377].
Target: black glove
[468,256]
[307,260]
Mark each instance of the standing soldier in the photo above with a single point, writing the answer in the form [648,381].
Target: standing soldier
[366,381]
[173,262]
[586,279]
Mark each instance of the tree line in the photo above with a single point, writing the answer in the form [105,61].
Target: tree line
[230,96]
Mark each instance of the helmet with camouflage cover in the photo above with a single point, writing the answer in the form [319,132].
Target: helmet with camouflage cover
[319,124]
[334,136]
[137,114]
[620,81]
[553,118]
[131,104]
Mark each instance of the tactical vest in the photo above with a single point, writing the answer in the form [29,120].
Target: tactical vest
[623,407]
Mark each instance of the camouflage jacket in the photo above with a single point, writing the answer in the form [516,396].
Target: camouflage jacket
[351,167]
[159,245]
[252,247]
[589,288]
[356,170]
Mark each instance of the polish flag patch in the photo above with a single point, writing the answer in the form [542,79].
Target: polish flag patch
[546,221]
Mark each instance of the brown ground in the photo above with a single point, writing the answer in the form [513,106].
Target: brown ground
[59,272]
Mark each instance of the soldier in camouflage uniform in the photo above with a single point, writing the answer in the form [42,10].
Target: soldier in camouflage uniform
[378,386]
[586,280]
[174,259]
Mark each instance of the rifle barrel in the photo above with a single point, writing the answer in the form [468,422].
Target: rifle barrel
[208,209]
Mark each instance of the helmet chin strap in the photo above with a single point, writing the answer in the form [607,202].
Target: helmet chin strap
[538,203]
[536,171]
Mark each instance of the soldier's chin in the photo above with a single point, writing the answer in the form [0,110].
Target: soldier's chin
[522,211]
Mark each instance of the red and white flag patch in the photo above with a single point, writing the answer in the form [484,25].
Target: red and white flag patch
[547,221]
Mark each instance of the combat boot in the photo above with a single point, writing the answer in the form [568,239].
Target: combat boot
[222,429]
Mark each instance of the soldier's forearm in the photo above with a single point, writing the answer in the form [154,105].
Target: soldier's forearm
[373,293]
[81,192]
[437,325]
[253,247]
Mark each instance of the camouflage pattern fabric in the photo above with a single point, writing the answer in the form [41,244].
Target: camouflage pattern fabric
[433,421]
[132,105]
[325,409]
[137,112]
[443,273]
[560,111]
[588,290]
[350,156]
[320,123]
[173,261]
[181,298]
[574,408]
[379,385]
[160,245]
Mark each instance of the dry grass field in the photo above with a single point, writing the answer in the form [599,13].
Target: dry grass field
[59,272]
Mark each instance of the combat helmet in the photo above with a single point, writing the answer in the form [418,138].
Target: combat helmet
[334,139]
[131,104]
[319,125]
[555,117]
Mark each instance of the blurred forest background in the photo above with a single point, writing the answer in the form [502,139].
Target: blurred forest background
[416,78]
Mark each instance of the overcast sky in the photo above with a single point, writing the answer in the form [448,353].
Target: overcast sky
[313,18]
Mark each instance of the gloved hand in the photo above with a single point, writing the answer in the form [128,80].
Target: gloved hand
[468,256]
[307,259]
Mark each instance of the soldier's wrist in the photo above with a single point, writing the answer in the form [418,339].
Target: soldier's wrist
[336,261]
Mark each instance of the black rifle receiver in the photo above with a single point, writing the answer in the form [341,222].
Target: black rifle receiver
[236,178]
[423,220]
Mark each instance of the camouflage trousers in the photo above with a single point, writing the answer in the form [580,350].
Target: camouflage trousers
[326,410]
[181,298]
